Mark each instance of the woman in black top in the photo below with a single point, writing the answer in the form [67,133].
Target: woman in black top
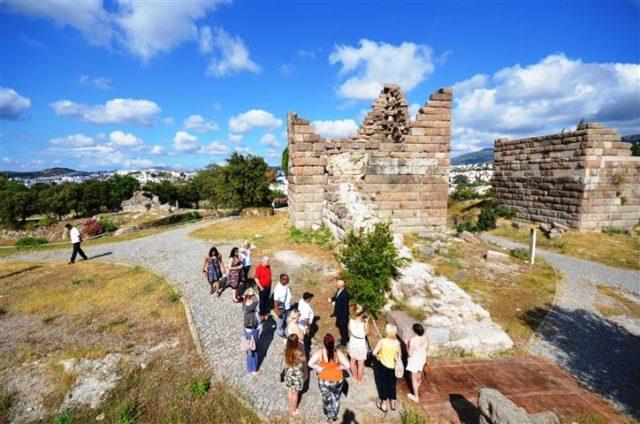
[250,321]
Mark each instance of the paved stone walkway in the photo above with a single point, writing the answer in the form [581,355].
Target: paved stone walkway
[574,334]
[178,257]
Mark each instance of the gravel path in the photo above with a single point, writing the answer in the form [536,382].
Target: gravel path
[601,355]
[178,257]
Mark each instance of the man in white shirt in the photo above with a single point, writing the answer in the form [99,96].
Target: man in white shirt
[76,239]
[306,312]
[282,304]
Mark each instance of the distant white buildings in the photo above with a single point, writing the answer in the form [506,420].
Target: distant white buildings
[480,175]
[143,176]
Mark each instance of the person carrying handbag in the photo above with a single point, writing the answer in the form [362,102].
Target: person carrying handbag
[250,339]
[388,368]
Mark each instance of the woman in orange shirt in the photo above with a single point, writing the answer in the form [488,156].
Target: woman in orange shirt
[330,364]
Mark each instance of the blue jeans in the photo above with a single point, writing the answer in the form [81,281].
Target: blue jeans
[281,324]
[252,355]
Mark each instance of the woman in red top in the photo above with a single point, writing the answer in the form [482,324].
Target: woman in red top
[330,363]
[262,275]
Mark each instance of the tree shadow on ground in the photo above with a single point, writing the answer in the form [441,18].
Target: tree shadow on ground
[601,355]
[20,271]
[265,339]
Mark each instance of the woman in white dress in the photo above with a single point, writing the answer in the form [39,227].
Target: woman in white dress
[418,346]
[358,331]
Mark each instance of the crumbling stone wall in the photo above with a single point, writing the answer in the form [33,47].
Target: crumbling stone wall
[585,179]
[394,168]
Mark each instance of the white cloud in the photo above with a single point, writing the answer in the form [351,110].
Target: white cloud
[138,163]
[185,142]
[214,148]
[157,150]
[236,138]
[254,118]
[115,111]
[414,108]
[126,140]
[273,154]
[545,97]
[197,123]
[337,128]
[269,139]
[168,120]
[140,27]
[287,69]
[232,56]
[12,104]
[205,40]
[371,65]
[7,160]
[99,83]
[74,140]
[306,54]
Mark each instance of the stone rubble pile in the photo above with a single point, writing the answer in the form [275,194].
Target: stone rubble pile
[142,201]
[389,117]
[454,321]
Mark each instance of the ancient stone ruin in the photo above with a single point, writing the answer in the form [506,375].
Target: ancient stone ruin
[142,201]
[585,179]
[394,168]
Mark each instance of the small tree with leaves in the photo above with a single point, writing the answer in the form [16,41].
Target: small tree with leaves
[370,261]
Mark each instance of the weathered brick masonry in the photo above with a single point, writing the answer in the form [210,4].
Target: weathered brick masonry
[585,179]
[394,168]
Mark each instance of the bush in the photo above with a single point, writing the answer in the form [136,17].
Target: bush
[521,254]
[487,219]
[127,413]
[280,202]
[370,260]
[464,193]
[64,417]
[614,230]
[47,221]
[107,225]
[92,228]
[466,226]
[189,216]
[174,296]
[200,387]
[31,241]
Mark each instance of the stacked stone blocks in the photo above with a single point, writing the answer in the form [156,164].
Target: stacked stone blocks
[585,179]
[394,168]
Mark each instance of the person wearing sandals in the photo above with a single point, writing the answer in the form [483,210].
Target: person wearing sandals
[250,321]
[387,353]
[358,331]
[214,270]
[235,277]
[418,346]
[330,363]
[294,372]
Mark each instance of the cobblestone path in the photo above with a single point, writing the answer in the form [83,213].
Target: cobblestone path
[178,257]
[574,334]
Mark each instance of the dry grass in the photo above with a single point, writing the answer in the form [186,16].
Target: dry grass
[54,311]
[618,250]
[517,295]
[617,303]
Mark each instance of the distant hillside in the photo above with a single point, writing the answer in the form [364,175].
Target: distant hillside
[49,172]
[635,138]
[481,156]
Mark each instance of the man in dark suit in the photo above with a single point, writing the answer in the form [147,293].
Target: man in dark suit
[341,311]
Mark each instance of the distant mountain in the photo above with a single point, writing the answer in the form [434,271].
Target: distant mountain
[49,172]
[481,156]
[635,138]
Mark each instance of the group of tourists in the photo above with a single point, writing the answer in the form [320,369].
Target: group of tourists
[295,323]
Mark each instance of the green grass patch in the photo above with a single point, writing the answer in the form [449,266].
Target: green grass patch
[27,242]
[200,387]
[64,417]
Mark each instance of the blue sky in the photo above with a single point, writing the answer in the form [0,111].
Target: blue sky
[130,83]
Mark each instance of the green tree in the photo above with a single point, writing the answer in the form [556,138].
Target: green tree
[285,161]
[121,188]
[17,202]
[370,261]
[166,191]
[635,149]
[243,182]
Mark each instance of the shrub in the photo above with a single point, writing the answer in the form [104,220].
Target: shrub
[370,261]
[107,224]
[92,228]
[174,296]
[47,221]
[200,387]
[64,417]
[519,254]
[614,230]
[31,241]
[464,193]
[189,216]
[321,237]
[466,226]
[127,413]
[280,202]
[487,218]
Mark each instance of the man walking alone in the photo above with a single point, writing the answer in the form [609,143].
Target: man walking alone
[76,239]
